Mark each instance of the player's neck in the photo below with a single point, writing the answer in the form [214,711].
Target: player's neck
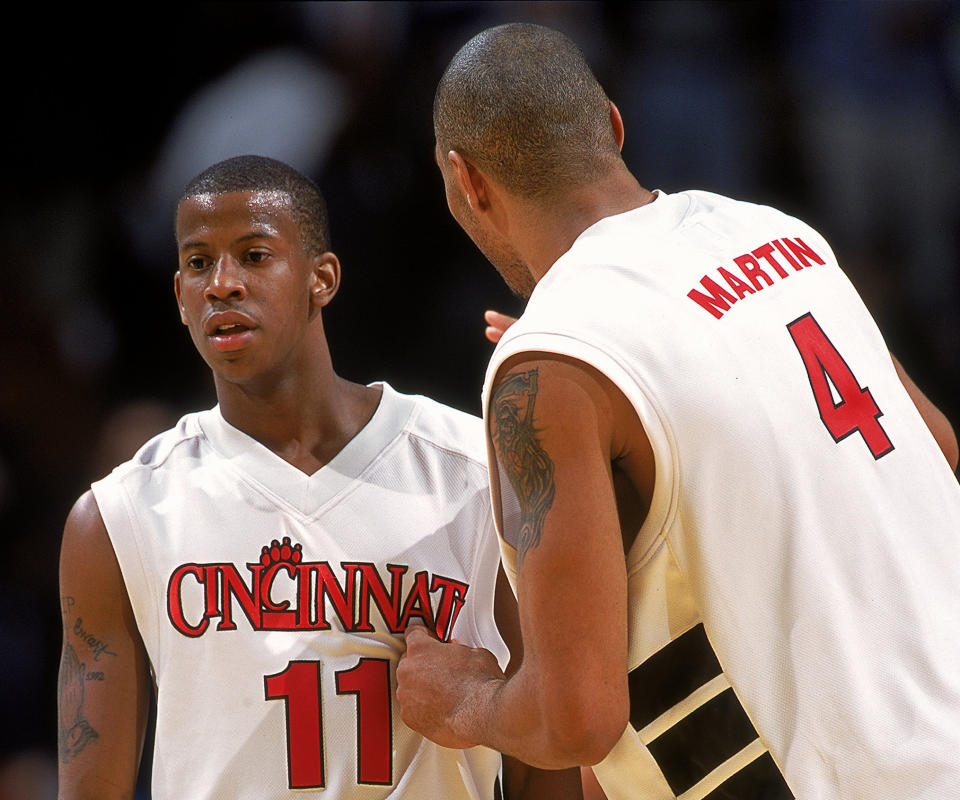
[306,418]
[553,230]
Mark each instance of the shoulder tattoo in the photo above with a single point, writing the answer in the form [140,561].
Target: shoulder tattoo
[527,465]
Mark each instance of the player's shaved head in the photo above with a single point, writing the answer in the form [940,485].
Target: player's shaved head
[262,174]
[521,102]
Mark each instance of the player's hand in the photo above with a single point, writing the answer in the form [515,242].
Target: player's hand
[439,686]
[497,324]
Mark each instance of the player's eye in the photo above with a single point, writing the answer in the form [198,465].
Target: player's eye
[257,256]
[196,263]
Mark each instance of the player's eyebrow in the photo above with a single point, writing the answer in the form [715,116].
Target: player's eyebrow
[266,232]
[256,233]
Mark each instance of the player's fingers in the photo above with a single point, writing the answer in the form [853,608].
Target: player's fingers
[497,320]
[416,628]
[493,334]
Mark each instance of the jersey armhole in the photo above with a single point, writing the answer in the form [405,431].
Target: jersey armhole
[120,520]
[663,508]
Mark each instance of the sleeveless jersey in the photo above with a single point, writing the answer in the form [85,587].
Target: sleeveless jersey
[794,592]
[272,603]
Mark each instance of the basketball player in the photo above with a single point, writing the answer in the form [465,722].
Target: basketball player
[260,560]
[734,538]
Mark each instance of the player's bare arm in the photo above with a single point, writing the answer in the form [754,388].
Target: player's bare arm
[935,419]
[555,430]
[521,781]
[104,680]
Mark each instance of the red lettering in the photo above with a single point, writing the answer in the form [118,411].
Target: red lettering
[717,302]
[417,603]
[372,586]
[750,267]
[305,603]
[786,254]
[276,616]
[175,605]
[452,594]
[765,251]
[797,253]
[804,253]
[249,598]
[342,598]
[742,288]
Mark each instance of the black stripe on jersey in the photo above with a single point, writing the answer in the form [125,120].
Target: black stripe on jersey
[759,780]
[702,741]
[671,675]
[709,735]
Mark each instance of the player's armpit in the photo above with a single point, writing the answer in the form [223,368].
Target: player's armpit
[523,782]
[103,690]
[554,430]
[935,419]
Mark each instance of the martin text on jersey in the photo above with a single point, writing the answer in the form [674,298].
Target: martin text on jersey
[773,257]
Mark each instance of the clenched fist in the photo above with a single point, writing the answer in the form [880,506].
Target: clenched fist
[443,688]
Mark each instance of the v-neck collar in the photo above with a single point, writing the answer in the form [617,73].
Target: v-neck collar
[290,486]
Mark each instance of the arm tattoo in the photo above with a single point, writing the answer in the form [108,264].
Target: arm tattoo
[75,731]
[528,467]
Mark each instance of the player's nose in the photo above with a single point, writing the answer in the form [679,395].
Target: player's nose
[226,280]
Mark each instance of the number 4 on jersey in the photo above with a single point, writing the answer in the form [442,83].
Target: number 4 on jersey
[856,410]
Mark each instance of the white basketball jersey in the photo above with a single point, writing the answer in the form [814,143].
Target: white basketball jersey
[794,594]
[272,603]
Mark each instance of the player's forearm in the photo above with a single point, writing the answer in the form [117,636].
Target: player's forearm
[556,711]
[91,785]
[547,728]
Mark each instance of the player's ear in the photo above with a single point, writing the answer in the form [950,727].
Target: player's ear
[176,291]
[324,278]
[617,122]
[472,182]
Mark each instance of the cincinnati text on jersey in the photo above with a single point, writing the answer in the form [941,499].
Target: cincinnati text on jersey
[316,595]
[795,253]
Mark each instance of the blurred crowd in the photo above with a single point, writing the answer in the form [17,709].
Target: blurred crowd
[844,113]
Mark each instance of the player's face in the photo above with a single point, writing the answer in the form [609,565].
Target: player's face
[498,250]
[245,286]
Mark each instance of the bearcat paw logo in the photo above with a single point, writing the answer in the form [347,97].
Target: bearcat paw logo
[281,553]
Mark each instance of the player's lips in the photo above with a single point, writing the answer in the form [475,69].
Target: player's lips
[229,330]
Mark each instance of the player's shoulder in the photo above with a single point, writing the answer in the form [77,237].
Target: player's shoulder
[446,428]
[704,202]
[158,451]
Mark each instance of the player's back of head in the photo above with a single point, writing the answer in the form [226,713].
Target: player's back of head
[252,173]
[521,102]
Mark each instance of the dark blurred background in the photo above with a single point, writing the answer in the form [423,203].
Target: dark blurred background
[846,114]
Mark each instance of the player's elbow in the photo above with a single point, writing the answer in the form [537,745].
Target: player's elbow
[582,734]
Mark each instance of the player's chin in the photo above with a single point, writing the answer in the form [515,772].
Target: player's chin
[241,366]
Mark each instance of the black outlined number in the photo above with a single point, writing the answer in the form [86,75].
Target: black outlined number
[856,411]
[299,687]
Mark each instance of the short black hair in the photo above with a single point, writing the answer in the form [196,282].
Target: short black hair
[521,101]
[261,174]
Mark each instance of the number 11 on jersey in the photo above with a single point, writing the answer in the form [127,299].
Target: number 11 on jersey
[856,410]
[299,687]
